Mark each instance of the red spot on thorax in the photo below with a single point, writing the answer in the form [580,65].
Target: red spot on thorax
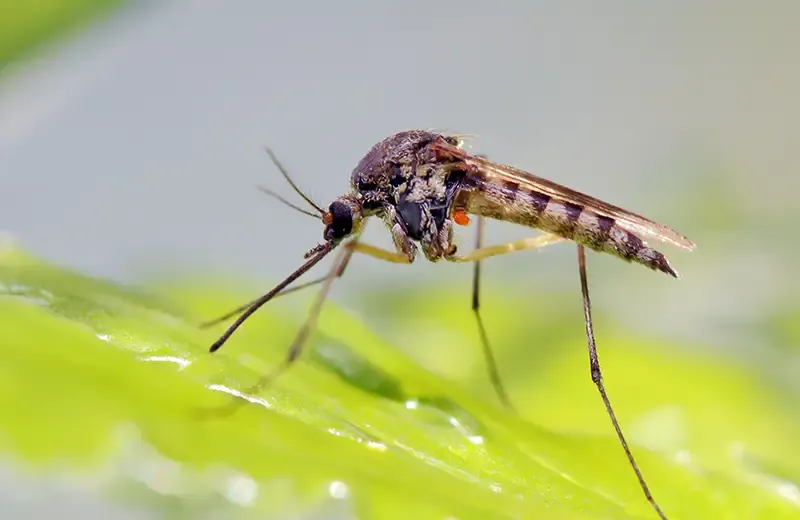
[461,217]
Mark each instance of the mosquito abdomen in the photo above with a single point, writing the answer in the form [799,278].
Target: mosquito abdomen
[506,199]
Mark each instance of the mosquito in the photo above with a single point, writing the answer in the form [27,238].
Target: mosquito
[422,184]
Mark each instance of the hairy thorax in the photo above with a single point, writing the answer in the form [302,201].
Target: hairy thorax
[402,181]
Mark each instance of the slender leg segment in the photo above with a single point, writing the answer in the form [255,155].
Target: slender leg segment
[311,320]
[597,377]
[491,365]
[481,253]
[536,242]
[297,345]
[382,254]
[296,348]
[353,245]
[284,292]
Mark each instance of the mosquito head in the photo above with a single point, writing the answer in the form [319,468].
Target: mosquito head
[343,218]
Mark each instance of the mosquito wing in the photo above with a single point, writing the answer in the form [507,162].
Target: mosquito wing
[627,220]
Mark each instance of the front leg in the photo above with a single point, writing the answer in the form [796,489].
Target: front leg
[402,242]
[445,247]
[545,239]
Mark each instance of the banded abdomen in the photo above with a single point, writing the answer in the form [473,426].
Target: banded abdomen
[509,200]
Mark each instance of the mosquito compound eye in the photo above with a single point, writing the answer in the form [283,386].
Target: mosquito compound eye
[341,221]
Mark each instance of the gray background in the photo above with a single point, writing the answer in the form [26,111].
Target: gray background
[136,146]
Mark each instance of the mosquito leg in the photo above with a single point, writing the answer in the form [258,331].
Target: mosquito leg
[356,247]
[597,377]
[339,266]
[311,320]
[353,246]
[338,274]
[491,365]
[542,240]
[382,254]
[284,292]
[476,256]
[297,345]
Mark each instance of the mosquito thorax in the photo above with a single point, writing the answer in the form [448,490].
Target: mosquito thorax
[343,217]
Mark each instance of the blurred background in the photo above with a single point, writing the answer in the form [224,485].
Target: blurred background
[132,135]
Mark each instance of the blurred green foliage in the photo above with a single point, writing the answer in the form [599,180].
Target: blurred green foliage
[25,24]
[102,379]
[97,376]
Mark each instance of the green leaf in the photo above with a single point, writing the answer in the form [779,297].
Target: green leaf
[97,376]
[27,24]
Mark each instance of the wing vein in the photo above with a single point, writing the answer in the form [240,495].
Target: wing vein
[636,224]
